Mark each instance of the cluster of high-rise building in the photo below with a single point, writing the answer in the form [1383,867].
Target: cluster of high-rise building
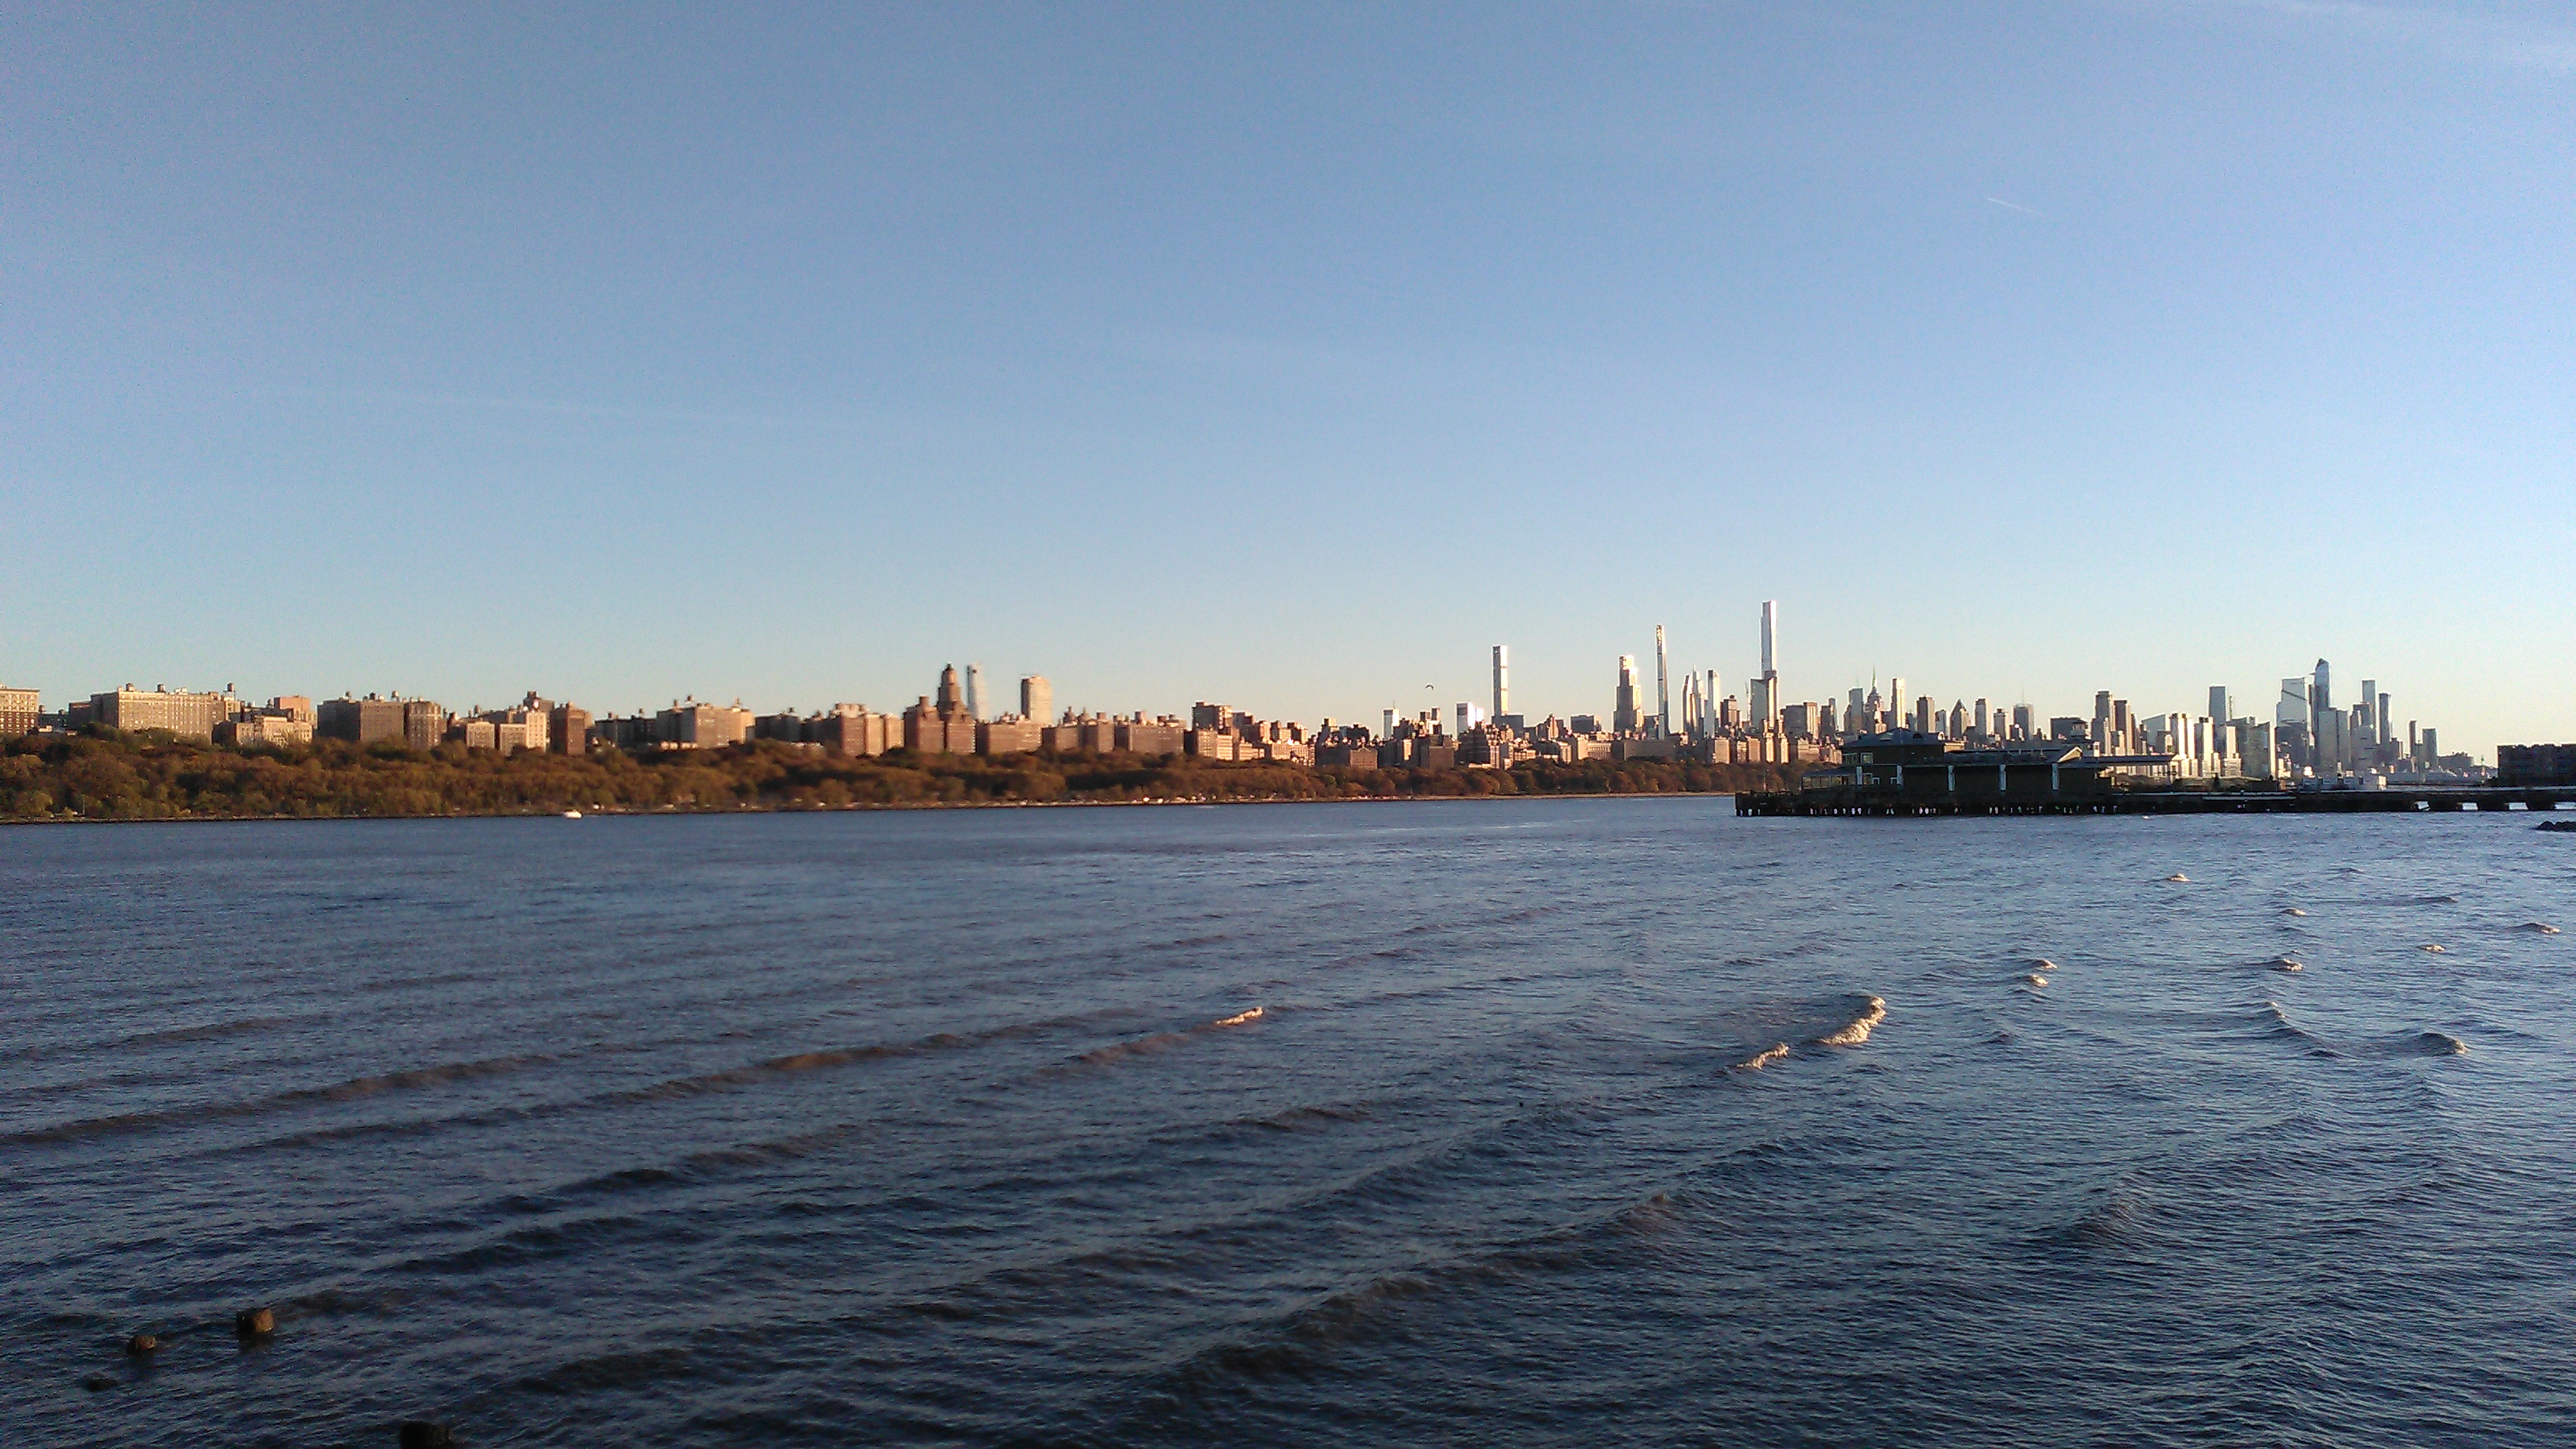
[2309,735]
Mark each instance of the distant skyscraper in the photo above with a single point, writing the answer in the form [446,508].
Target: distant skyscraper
[1663,691]
[2321,697]
[974,691]
[951,699]
[2292,709]
[1502,680]
[1037,699]
[1623,708]
[1766,687]
[2222,704]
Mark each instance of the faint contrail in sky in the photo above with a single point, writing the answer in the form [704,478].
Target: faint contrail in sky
[2017,206]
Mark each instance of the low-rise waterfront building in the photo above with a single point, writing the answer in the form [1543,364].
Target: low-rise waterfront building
[1009,735]
[19,711]
[188,715]
[944,727]
[690,725]
[1346,754]
[506,730]
[1141,736]
[854,731]
[1900,770]
[259,727]
[415,723]
[2534,764]
[1488,747]
[567,730]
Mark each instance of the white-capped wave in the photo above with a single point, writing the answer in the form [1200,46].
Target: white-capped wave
[2285,963]
[2035,979]
[2178,878]
[2292,911]
[2540,928]
[1763,1058]
[2429,946]
[1859,1028]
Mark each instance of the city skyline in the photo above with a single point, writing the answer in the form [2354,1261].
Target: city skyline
[1504,674]
[1770,698]
[2025,348]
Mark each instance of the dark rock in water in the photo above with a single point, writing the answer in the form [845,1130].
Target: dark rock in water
[142,1345]
[254,1323]
[2558,824]
[97,1382]
[422,1434]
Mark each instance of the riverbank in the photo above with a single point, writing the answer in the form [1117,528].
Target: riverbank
[141,777]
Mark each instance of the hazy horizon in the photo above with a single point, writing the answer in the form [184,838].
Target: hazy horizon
[1294,357]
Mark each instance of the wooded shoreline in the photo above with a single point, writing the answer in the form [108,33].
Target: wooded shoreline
[107,776]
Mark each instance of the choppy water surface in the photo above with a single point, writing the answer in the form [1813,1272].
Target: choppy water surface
[1545,1123]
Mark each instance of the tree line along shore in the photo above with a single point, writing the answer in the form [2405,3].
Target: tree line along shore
[108,775]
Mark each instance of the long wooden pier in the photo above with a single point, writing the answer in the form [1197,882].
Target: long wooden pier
[2396,800]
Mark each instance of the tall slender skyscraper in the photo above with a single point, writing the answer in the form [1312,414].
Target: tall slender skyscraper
[2321,694]
[974,691]
[2222,704]
[1502,680]
[1663,690]
[1766,689]
[1623,709]
[1037,699]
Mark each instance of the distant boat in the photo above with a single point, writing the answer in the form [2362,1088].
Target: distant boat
[572,815]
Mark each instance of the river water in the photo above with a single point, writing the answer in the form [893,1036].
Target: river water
[1539,1123]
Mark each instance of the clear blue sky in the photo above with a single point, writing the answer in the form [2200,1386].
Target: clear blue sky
[1293,355]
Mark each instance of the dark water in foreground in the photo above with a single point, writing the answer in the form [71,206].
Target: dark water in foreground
[1332,1125]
